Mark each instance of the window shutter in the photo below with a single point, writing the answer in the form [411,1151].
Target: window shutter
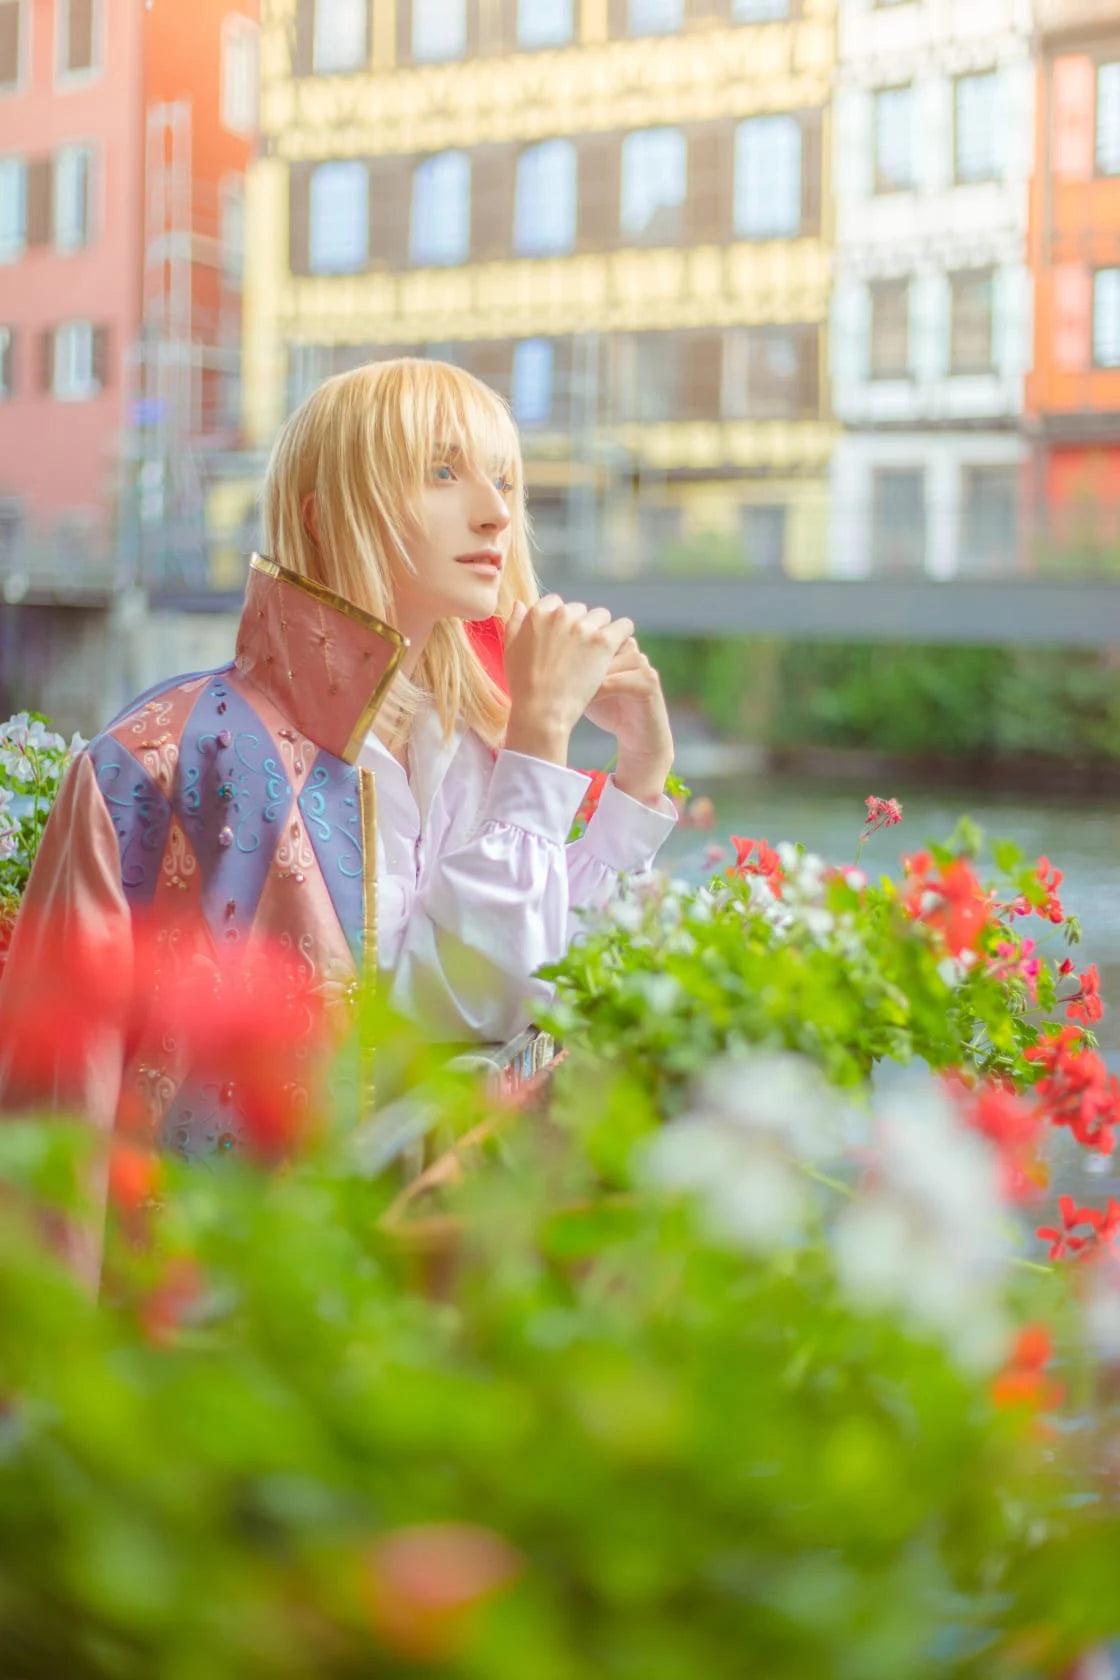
[9,42]
[486,26]
[1072,94]
[709,11]
[46,359]
[703,373]
[390,208]
[812,156]
[599,187]
[708,200]
[492,362]
[99,359]
[303,44]
[493,185]
[39,206]
[1073,315]
[299,217]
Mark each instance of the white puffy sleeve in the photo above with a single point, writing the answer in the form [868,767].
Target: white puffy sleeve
[491,908]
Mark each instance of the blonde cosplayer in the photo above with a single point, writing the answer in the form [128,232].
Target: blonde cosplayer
[362,446]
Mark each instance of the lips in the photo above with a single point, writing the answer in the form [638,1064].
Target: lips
[486,557]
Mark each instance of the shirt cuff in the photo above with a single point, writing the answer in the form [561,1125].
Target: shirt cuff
[625,834]
[532,794]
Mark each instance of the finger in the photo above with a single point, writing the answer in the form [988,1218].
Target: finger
[596,617]
[516,619]
[625,682]
[619,632]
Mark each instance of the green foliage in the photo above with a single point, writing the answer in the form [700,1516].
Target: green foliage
[33,761]
[967,702]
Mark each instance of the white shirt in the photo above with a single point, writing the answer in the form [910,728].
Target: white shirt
[476,883]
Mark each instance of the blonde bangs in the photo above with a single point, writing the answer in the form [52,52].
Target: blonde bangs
[363,444]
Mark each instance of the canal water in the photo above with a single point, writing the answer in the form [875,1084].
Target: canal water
[1082,839]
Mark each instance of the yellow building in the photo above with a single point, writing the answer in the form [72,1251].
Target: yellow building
[615,211]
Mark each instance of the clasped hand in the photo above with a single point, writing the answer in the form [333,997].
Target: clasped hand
[565,661]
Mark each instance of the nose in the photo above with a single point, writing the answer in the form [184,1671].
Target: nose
[489,512]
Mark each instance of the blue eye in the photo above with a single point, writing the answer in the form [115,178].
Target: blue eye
[444,472]
[503,485]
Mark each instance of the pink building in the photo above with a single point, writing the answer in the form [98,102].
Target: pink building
[126,127]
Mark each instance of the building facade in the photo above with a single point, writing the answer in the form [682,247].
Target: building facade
[1073,392]
[934,137]
[614,211]
[125,131]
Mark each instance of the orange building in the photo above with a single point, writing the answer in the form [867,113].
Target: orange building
[126,127]
[1073,392]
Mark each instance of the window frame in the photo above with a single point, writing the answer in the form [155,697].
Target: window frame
[785,16]
[426,169]
[630,147]
[1095,362]
[997,173]
[85,391]
[24,25]
[739,146]
[231,189]
[8,338]
[879,475]
[338,164]
[876,374]
[660,30]
[972,473]
[419,58]
[536,250]
[1098,171]
[87,149]
[545,46]
[880,190]
[19,246]
[236,26]
[957,278]
[64,78]
[318,69]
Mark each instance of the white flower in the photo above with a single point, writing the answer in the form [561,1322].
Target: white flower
[78,743]
[16,764]
[625,913]
[17,729]
[750,1193]
[779,1094]
[1101,1285]
[661,991]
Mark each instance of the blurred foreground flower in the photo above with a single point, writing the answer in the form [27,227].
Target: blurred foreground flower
[424,1585]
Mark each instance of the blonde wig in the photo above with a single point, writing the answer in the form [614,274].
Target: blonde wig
[364,445]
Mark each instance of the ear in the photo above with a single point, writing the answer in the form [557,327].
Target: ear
[307,513]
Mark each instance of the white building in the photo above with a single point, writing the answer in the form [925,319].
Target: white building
[931,330]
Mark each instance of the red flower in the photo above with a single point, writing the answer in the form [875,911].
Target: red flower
[598,780]
[1066,1241]
[1050,905]
[1077,1088]
[135,1176]
[764,862]
[881,813]
[1065,966]
[162,1312]
[1087,1005]
[952,903]
[1011,1125]
[425,1583]
[1022,1382]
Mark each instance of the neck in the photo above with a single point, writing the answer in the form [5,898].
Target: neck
[417,627]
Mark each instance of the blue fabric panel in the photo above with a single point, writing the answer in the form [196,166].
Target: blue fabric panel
[140,814]
[332,815]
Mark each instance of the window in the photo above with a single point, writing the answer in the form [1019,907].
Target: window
[990,518]
[894,139]
[13,208]
[762,531]
[73,373]
[441,210]
[532,381]
[660,527]
[970,341]
[7,363]
[654,17]
[898,520]
[439,30]
[770,373]
[75,32]
[1108,119]
[232,230]
[1106,318]
[654,173]
[544,23]
[758,11]
[11,14]
[976,144]
[73,176]
[768,177]
[890,329]
[239,74]
[340,35]
[545,207]
[339,218]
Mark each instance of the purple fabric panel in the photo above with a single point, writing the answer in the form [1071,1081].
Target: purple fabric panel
[140,814]
[332,817]
[232,797]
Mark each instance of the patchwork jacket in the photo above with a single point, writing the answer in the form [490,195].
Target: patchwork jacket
[227,803]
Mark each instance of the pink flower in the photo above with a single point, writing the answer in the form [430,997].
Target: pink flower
[881,813]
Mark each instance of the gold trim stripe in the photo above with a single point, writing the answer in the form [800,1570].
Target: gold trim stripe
[367,807]
[339,604]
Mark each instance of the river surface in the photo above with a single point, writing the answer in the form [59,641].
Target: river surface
[1082,839]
